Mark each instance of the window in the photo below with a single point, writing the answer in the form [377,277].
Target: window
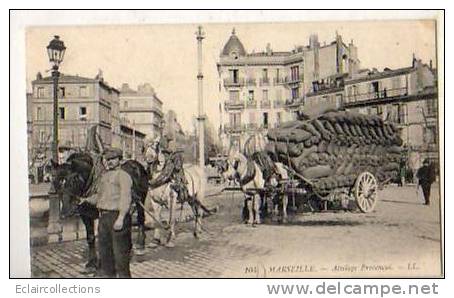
[125,104]
[251,95]
[83,113]
[375,89]
[277,74]
[62,92]
[61,113]
[235,119]
[265,95]
[265,120]
[83,92]
[234,75]
[265,74]
[294,72]
[402,114]
[295,93]
[379,110]
[40,92]
[39,113]
[338,100]
[42,136]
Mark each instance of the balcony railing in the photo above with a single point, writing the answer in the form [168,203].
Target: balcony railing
[236,128]
[265,104]
[251,104]
[234,105]
[264,81]
[294,102]
[230,82]
[278,103]
[383,94]
[293,79]
[251,82]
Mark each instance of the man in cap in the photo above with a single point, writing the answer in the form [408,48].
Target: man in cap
[114,227]
[426,176]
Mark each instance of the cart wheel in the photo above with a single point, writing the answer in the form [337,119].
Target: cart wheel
[365,192]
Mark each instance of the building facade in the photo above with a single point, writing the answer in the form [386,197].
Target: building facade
[406,96]
[132,141]
[143,108]
[173,132]
[259,90]
[82,103]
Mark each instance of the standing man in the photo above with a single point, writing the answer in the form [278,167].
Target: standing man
[114,228]
[426,176]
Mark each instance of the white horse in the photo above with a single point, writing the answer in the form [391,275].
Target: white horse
[165,197]
[250,178]
[249,171]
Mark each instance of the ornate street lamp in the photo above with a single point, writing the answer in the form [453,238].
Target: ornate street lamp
[56,51]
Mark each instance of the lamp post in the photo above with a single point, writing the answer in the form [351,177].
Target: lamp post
[56,51]
[200,35]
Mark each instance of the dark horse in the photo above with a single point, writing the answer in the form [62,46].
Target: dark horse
[73,179]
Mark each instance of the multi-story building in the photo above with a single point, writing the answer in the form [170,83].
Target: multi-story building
[259,90]
[406,96]
[82,103]
[143,108]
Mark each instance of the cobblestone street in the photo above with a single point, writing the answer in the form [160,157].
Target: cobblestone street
[400,238]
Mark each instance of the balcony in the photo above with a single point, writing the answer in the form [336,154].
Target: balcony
[251,82]
[278,103]
[251,104]
[231,82]
[265,104]
[293,79]
[264,81]
[233,105]
[377,96]
[294,102]
[236,128]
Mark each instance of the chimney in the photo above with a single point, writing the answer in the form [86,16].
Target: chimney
[413,62]
[99,76]
[313,41]
[269,51]
[39,76]
[430,64]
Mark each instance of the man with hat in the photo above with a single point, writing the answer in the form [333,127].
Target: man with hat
[426,176]
[114,227]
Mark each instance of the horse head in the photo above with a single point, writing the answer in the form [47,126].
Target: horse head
[235,163]
[69,182]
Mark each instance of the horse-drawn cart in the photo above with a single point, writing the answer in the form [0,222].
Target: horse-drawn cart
[336,157]
[301,190]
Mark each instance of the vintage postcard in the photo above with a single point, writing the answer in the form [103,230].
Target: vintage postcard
[235,150]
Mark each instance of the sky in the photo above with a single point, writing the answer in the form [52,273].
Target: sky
[166,55]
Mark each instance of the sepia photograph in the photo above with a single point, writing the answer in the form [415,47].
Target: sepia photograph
[286,149]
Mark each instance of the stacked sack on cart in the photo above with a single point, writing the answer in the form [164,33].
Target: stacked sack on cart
[331,150]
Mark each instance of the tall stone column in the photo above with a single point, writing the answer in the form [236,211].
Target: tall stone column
[200,35]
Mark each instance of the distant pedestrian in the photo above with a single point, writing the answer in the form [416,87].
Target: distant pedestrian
[114,228]
[426,176]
